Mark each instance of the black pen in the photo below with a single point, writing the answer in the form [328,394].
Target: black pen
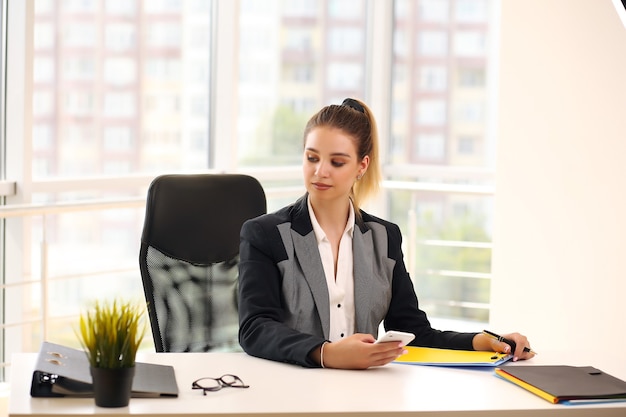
[507,341]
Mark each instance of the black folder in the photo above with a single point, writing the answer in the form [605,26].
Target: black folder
[559,383]
[62,371]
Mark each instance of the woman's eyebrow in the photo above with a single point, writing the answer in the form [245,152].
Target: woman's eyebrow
[345,155]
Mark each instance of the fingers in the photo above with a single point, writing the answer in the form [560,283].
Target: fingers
[360,352]
[384,353]
[522,347]
[515,344]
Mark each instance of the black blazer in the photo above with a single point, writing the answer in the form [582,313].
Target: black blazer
[283,296]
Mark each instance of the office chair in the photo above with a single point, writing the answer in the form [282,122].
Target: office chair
[189,258]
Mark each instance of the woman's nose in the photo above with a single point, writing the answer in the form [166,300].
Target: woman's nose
[321,170]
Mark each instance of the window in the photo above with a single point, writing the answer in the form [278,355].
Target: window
[43,103]
[345,9]
[79,34]
[298,39]
[443,123]
[400,43]
[79,6]
[466,145]
[119,104]
[78,68]
[470,112]
[161,103]
[43,69]
[42,137]
[79,134]
[345,40]
[162,6]
[120,71]
[43,36]
[120,36]
[345,75]
[165,69]
[300,8]
[118,138]
[472,77]
[120,7]
[431,112]
[43,6]
[472,11]
[432,43]
[294,58]
[125,90]
[163,34]
[430,146]
[470,43]
[433,78]
[434,10]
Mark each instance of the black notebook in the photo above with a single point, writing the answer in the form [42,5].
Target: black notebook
[62,371]
[558,383]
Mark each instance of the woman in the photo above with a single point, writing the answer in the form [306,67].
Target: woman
[316,278]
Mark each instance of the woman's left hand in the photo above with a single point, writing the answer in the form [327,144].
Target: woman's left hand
[484,342]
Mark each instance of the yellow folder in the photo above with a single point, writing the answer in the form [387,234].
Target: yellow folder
[451,357]
[546,396]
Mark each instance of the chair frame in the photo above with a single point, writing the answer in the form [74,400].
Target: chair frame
[195,219]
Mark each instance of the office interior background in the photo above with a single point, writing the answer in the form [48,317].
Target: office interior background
[502,135]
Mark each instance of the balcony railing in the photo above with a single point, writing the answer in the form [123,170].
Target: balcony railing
[43,211]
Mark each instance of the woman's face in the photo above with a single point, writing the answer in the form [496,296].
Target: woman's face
[330,164]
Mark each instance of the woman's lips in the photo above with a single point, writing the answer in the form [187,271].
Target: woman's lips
[321,186]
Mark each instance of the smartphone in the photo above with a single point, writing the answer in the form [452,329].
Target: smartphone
[396,336]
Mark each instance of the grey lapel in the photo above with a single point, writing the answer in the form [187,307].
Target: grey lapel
[309,258]
[363,271]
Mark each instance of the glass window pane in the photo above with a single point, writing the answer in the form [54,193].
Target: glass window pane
[295,57]
[121,74]
[440,132]
[434,10]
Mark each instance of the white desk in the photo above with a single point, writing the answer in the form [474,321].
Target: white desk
[288,390]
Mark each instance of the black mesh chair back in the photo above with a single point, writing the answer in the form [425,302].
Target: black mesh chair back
[189,258]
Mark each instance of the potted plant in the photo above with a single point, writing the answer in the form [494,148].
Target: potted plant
[111,333]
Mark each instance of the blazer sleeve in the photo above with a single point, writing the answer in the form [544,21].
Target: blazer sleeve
[262,331]
[404,313]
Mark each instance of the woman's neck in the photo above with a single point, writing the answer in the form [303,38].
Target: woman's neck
[331,214]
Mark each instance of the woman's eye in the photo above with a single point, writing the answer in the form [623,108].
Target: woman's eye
[338,164]
[311,158]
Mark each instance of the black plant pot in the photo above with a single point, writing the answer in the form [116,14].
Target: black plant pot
[112,387]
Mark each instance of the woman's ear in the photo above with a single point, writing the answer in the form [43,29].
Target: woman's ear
[365,162]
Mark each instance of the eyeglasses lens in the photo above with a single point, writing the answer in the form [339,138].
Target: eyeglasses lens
[216,384]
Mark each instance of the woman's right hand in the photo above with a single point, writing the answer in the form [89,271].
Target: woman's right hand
[360,352]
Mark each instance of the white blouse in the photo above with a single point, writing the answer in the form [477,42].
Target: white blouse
[340,284]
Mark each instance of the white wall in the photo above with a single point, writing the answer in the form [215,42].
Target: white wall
[559,258]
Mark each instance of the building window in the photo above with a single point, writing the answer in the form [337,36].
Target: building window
[118,138]
[432,43]
[431,112]
[120,104]
[120,36]
[472,77]
[120,71]
[466,145]
[433,78]
[434,10]
[470,43]
[431,146]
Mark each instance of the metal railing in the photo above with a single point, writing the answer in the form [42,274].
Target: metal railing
[47,209]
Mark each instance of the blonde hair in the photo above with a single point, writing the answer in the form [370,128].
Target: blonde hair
[355,119]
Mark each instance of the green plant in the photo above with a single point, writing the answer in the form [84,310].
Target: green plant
[111,333]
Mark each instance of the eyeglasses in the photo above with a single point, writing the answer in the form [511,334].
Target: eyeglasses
[216,384]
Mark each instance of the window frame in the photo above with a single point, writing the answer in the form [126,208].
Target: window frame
[18,184]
